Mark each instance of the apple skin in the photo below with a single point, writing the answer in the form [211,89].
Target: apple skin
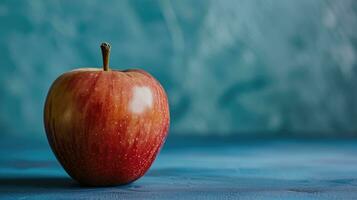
[106,127]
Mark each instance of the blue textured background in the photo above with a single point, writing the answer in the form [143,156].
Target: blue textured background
[229,67]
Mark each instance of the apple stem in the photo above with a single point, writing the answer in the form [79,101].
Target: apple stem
[106,54]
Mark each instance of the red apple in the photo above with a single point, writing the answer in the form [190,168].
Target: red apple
[106,126]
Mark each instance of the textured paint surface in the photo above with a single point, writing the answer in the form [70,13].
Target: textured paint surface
[229,66]
[106,127]
[203,169]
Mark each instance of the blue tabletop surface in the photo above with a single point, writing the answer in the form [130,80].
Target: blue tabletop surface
[198,169]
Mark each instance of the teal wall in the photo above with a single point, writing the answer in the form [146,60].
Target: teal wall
[229,67]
